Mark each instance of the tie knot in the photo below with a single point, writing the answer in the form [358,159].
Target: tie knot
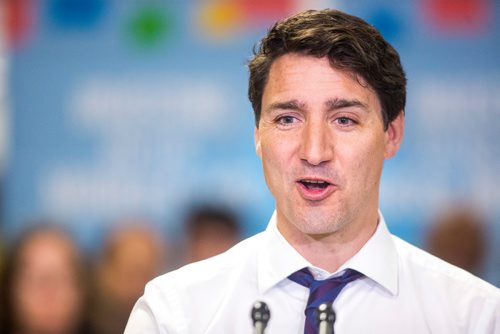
[324,291]
[305,278]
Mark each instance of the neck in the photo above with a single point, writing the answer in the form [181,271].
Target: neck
[332,250]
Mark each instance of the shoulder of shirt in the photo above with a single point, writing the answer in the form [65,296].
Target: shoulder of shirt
[217,268]
[432,268]
[180,291]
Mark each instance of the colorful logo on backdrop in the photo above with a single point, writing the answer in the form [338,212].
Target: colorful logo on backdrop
[19,21]
[458,16]
[225,19]
[387,22]
[76,14]
[150,26]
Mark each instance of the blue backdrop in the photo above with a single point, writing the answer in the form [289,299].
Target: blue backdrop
[125,108]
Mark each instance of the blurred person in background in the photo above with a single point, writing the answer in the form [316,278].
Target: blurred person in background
[457,236]
[210,231]
[132,255]
[44,285]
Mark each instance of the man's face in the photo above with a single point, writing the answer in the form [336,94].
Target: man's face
[322,144]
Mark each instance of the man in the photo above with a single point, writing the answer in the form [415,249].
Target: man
[328,94]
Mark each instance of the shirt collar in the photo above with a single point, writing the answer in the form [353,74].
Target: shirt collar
[377,259]
[277,259]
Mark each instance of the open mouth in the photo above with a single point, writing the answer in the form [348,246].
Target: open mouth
[315,189]
[314,184]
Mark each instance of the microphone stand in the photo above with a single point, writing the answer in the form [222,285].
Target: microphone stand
[325,315]
[260,316]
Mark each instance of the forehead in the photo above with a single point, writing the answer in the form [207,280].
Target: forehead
[310,79]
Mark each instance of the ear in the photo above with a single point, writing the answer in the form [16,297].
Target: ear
[256,138]
[394,136]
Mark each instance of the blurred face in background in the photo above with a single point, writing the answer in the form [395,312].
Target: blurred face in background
[135,255]
[47,295]
[210,240]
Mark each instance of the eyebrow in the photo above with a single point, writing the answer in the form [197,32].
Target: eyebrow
[331,105]
[336,103]
[287,105]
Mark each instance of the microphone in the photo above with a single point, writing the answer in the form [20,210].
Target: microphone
[260,316]
[325,315]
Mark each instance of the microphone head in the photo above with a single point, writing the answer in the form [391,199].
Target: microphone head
[260,313]
[325,312]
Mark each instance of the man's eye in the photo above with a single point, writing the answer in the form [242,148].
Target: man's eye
[286,120]
[344,121]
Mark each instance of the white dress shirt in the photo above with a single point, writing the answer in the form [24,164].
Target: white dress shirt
[405,290]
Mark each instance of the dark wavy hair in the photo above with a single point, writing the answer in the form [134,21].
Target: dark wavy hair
[351,45]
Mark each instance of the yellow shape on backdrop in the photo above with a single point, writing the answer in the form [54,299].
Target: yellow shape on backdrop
[220,20]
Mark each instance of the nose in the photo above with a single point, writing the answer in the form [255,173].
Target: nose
[317,143]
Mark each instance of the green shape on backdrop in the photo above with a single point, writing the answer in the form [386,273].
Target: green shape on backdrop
[150,26]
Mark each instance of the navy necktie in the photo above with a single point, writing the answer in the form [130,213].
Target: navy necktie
[321,292]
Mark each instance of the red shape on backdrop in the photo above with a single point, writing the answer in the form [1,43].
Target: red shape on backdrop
[19,21]
[262,11]
[468,16]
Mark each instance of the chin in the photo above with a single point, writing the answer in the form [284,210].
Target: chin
[320,229]
[318,222]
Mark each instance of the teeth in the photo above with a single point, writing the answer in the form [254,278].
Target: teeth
[314,181]
[314,184]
